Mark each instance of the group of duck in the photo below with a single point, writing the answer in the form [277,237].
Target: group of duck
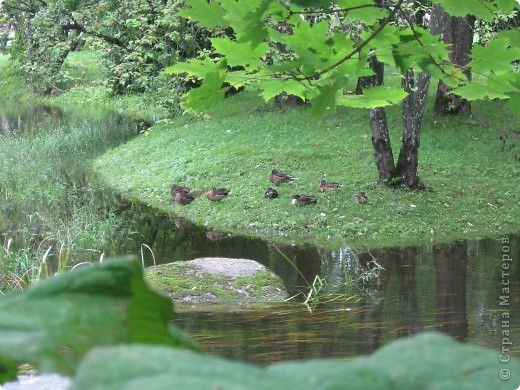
[278,178]
[183,195]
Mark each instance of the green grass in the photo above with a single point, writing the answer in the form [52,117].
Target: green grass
[51,212]
[87,87]
[470,180]
[12,83]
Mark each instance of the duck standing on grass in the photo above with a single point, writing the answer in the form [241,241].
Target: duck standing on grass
[271,193]
[217,194]
[327,186]
[278,178]
[303,200]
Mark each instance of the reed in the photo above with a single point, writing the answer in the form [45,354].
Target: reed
[56,213]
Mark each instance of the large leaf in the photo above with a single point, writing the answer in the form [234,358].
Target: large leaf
[478,8]
[272,88]
[374,97]
[497,56]
[493,86]
[246,18]
[53,325]
[425,361]
[140,367]
[240,54]
[362,10]
[326,99]
[209,93]
[204,13]
[481,9]
[197,68]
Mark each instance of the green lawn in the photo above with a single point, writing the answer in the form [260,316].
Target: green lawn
[471,182]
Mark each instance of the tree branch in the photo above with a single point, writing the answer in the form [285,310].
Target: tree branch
[335,10]
[357,49]
[78,27]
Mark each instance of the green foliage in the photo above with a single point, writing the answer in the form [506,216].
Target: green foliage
[54,325]
[485,11]
[491,66]
[80,323]
[136,40]
[428,360]
[305,47]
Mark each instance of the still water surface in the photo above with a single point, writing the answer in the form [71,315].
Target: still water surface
[456,288]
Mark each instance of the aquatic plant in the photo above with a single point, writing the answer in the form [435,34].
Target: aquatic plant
[56,214]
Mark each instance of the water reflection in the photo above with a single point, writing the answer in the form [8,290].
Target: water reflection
[17,117]
[450,274]
[421,289]
[450,288]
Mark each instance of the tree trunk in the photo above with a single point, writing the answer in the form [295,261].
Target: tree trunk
[458,32]
[405,172]
[383,155]
[413,109]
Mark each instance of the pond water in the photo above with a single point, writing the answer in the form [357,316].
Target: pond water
[456,288]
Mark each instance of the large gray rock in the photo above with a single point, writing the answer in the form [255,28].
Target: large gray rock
[217,280]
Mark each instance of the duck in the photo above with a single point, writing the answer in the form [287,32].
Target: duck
[217,194]
[271,193]
[303,200]
[327,186]
[184,198]
[361,197]
[278,178]
[176,189]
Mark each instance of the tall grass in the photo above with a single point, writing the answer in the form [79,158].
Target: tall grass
[52,210]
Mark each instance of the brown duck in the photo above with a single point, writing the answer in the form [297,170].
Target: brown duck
[303,200]
[176,189]
[278,178]
[361,197]
[184,198]
[327,186]
[217,194]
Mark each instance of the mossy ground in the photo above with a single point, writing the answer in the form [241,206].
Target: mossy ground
[470,173]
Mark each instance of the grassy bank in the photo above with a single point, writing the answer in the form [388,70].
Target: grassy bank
[470,167]
[471,177]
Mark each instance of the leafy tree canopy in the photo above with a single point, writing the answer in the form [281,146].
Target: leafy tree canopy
[136,40]
[317,51]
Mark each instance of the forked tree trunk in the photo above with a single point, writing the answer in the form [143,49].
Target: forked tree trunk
[458,32]
[405,172]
